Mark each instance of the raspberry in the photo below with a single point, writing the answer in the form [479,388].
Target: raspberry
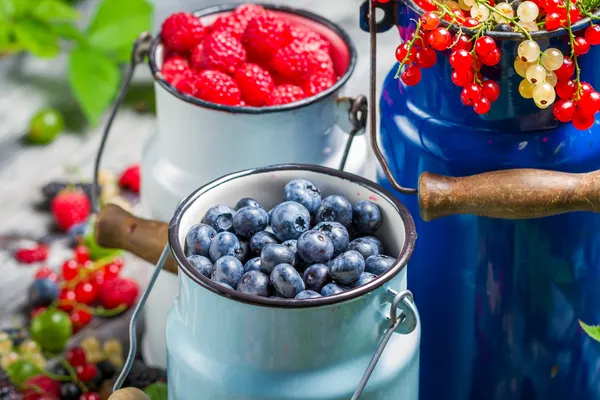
[70,207]
[234,24]
[250,11]
[181,32]
[130,178]
[318,83]
[186,83]
[285,94]
[32,255]
[220,51]
[115,292]
[255,83]
[217,87]
[311,38]
[43,384]
[173,67]
[196,58]
[298,62]
[264,35]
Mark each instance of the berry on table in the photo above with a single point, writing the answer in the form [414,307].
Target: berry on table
[76,356]
[118,291]
[181,32]
[32,255]
[85,293]
[51,329]
[70,207]
[130,178]
[45,126]
[42,292]
[79,319]
[46,272]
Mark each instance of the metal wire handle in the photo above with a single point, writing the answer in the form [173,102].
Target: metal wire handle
[407,316]
[358,118]
[373,101]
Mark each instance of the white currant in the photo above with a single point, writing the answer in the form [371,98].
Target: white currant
[544,94]
[526,89]
[504,10]
[480,13]
[552,59]
[528,11]
[536,74]
[529,50]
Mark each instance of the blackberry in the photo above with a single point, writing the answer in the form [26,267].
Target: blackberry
[106,369]
[142,375]
[53,188]
[8,391]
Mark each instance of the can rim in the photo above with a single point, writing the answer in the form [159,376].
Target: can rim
[157,41]
[206,283]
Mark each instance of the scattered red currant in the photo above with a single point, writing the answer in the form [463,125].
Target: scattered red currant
[81,254]
[76,356]
[80,318]
[86,372]
[66,299]
[70,270]
[46,273]
[85,293]
[96,396]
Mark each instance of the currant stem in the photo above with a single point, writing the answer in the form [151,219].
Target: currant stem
[513,20]
[409,45]
[573,55]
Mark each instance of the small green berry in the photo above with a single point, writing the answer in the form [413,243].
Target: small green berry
[51,329]
[21,370]
[45,126]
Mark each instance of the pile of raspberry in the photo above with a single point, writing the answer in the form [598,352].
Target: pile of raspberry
[250,57]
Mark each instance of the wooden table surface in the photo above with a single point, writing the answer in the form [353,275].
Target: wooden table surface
[28,84]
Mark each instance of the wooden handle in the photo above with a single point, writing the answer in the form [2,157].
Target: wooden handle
[509,194]
[117,229]
[129,394]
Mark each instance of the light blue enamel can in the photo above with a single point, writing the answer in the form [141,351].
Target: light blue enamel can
[223,344]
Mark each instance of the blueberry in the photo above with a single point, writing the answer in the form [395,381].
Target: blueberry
[515,5]
[363,279]
[229,270]
[261,239]
[247,202]
[337,233]
[244,251]
[254,282]
[316,276]
[366,217]
[198,238]
[224,284]
[333,288]
[286,280]
[42,292]
[202,265]
[224,244]
[303,192]
[292,244]
[274,254]
[503,28]
[377,243]
[365,246]
[308,294]
[70,391]
[290,220]
[378,264]
[347,267]
[249,220]
[315,247]
[219,217]
[252,265]
[335,208]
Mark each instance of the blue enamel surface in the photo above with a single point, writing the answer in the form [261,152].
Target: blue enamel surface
[499,300]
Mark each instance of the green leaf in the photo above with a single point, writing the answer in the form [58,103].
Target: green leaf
[592,331]
[37,38]
[157,391]
[118,23]
[68,31]
[54,10]
[14,8]
[94,79]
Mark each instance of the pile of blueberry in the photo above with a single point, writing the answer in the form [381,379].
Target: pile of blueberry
[300,249]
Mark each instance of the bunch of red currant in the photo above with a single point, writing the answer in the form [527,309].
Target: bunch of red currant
[546,73]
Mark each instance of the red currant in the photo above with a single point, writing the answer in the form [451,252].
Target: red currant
[402,53]
[592,34]
[484,45]
[37,310]
[482,106]
[46,273]
[383,1]
[470,94]
[563,110]
[586,88]
[85,293]
[589,102]
[80,318]
[70,269]
[552,5]
[462,78]
[86,372]
[96,396]
[81,254]
[552,21]
[566,70]
[580,46]
[565,89]
[440,38]
[111,271]
[462,42]
[574,14]
[461,59]
[119,262]
[426,5]
[66,299]
[490,90]
[430,21]
[411,75]
[492,58]
[470,23]
[426,57]
[76,356]
[581,120]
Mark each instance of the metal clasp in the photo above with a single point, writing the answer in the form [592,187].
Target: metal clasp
[403,322]
[357,110]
